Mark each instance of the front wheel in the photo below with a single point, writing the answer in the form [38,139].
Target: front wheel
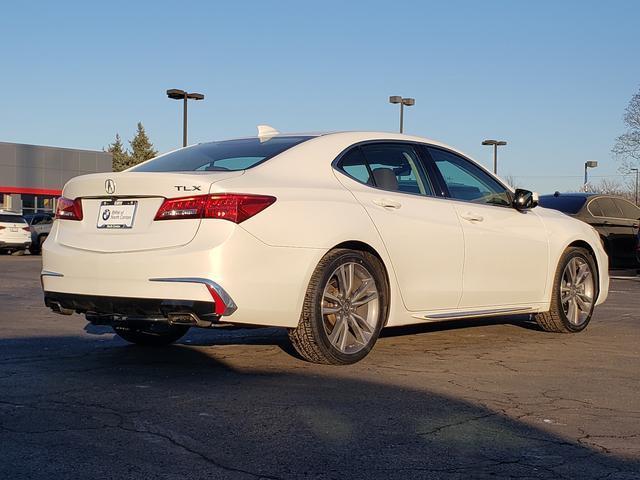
[152,335]
[345,307]
[574,293]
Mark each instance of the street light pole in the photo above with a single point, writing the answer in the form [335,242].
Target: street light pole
[588,164]
[177,94]
[402,101]
[184,122]
[496,144]
[636,170]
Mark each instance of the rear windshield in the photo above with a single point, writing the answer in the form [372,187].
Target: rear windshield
[11,219]
[228,155]
[571,205]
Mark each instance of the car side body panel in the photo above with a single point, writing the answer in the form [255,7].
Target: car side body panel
[265,263]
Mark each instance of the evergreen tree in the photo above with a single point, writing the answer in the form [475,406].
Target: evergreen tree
[141,147]
[121,157]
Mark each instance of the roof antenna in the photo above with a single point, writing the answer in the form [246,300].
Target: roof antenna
[266,132]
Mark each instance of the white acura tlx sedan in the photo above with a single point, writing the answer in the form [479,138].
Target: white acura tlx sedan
[332,236]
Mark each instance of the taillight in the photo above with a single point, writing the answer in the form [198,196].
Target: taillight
[68,209]
[26,229]
[234,207]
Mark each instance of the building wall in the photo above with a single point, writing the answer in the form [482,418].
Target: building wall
[32,176]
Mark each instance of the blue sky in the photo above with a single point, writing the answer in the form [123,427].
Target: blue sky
[550,77]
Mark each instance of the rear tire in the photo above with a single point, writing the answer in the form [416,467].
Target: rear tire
[345,307]
[575,291]
[152,335]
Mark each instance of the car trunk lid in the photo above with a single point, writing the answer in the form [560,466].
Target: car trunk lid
[118,210]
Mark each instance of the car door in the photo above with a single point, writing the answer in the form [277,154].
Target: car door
[422,233]
[631,216]
[616,230]
[506,250]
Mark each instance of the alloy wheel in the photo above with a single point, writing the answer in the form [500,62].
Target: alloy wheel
[350,307]
[577,290]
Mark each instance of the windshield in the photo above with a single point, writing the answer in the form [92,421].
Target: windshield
[570,205]
[229,155]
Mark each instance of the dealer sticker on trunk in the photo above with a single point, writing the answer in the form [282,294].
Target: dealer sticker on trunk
[117,214]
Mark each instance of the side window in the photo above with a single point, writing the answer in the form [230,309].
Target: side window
[36,220]
[395,167]
[595,209]
[609,208]
[354,163]
[629,210]
[466,181]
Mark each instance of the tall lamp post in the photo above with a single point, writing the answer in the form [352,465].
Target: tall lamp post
[177,94]
[496,144]
[588,164]
[409,102]
[636,170]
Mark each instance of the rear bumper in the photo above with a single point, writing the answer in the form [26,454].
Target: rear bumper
[113,310]
[14,244]
[258,284]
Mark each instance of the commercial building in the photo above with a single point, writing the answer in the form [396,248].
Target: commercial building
[32,176]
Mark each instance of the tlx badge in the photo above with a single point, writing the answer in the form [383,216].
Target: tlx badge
[184,188]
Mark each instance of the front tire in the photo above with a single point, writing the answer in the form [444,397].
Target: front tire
[574,295]
[152,335]
[345,307]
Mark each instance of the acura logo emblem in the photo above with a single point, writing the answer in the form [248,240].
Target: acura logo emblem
[110,186]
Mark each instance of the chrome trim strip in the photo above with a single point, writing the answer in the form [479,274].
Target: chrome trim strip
[477,313]
[49,273]
[230,305]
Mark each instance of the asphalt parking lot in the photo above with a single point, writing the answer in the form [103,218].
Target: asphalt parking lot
[482,399]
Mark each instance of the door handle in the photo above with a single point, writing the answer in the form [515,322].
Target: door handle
[472,217]
[386,203]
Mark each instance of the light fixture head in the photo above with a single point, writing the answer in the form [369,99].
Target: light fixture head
[591,164]
[500,143]
[395,99]
[176,94]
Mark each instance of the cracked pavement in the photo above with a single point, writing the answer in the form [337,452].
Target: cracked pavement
[476,399]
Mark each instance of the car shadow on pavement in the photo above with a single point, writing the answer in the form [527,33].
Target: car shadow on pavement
[278,336]
[521,321]
[86,408]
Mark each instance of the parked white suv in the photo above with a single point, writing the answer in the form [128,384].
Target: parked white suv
[15,234]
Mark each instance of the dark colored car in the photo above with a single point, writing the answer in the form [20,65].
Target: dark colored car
[615,218]
[40,224]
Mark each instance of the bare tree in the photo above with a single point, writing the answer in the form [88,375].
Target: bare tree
[627,146]
[613,187]
[511,180]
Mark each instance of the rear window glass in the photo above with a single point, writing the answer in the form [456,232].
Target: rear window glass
[11,219]
[571,205]
[629,210]
[228,155]
[609,208]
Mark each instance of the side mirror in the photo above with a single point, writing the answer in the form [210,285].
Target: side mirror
[524,199]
